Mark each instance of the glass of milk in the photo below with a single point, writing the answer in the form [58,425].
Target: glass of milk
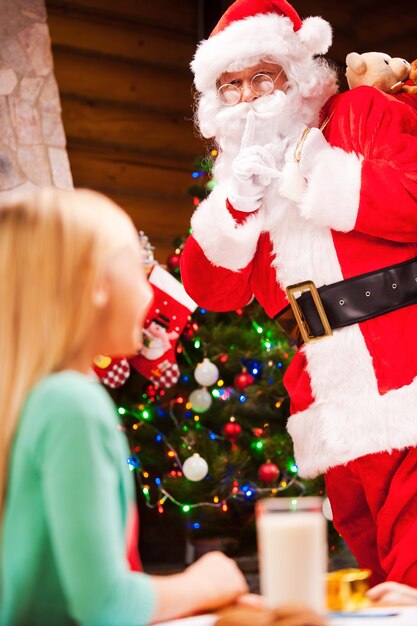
[292,547]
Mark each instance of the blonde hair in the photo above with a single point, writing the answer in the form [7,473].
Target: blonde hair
[53,248]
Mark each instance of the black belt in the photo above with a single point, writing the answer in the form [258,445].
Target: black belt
[315,313]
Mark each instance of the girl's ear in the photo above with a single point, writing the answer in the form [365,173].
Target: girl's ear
[100,296]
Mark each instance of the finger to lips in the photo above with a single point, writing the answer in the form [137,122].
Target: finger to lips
[249,132]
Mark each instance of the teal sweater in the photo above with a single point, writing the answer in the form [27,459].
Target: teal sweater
[63,541]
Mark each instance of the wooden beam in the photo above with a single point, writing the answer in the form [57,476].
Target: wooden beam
[116,80]
[372,27]
[117,126]
[110,171]
[162,219]
[137,42]
[180,17]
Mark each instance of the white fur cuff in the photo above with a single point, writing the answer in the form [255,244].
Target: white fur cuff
[330,434]
[333,190]
[224,242]
[349,417]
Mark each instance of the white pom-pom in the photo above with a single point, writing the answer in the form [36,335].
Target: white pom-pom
[292,183]
[316,34]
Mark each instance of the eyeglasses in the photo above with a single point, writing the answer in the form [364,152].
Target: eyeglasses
[261,85]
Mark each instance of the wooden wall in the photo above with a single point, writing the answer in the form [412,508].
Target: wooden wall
[367,25]
[123,72]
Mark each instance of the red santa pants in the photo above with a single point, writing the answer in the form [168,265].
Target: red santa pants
[374,502]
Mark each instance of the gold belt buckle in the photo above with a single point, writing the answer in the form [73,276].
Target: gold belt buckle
[308,285]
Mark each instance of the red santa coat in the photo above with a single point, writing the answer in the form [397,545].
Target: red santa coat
[354,393]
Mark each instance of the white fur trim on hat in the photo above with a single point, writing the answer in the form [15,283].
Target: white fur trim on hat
[224,242]
[257,37]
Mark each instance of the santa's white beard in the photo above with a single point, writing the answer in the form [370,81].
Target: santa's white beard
[280,119]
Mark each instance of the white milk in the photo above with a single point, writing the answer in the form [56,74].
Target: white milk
[293,557]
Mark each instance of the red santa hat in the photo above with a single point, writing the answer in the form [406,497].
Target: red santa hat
[252,30]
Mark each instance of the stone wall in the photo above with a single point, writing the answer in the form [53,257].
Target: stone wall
[32,138]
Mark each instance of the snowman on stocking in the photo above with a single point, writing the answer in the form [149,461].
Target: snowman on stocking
[165,322]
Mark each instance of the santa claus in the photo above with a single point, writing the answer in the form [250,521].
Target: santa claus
[317,195]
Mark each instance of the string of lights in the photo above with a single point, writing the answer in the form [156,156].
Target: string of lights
[217,441]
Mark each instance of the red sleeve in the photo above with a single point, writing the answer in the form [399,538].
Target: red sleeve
[383,129]
[212,287]
[240,217]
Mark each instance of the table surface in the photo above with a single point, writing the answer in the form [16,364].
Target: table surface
[392,616]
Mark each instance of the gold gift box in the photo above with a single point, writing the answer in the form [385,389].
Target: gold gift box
[346,589]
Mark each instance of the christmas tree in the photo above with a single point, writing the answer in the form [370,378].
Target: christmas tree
[210,439]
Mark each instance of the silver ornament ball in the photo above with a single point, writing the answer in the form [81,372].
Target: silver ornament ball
[206,373]
[200,400]
[195,468]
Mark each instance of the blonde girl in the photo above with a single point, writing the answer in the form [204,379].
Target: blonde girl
[72,286]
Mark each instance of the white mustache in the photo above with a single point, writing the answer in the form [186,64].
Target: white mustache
[238,113]
[264,108]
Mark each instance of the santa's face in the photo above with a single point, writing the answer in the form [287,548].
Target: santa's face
[249,84]
[279,114]
[298,94]
[278,117]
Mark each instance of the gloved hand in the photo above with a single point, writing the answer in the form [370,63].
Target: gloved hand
[311,151]
[252,171]
[301,159]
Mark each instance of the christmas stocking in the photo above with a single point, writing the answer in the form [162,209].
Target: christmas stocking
[164,324]
[113,372]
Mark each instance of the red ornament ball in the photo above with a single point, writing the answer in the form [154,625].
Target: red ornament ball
[268,472]
[151,391]
[190,329]
[258,432]
[173,261]
[243,380]
[232,431]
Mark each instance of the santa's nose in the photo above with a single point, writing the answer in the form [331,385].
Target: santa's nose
[246,93]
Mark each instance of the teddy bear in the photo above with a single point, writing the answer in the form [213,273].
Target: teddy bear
[377,69]
[408,87]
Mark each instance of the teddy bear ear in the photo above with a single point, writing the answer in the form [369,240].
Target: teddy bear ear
[316,34]
[356,63]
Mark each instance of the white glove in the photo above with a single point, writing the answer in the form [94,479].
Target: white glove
[312,151]
[252,171]
[294,176]
[292,184]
